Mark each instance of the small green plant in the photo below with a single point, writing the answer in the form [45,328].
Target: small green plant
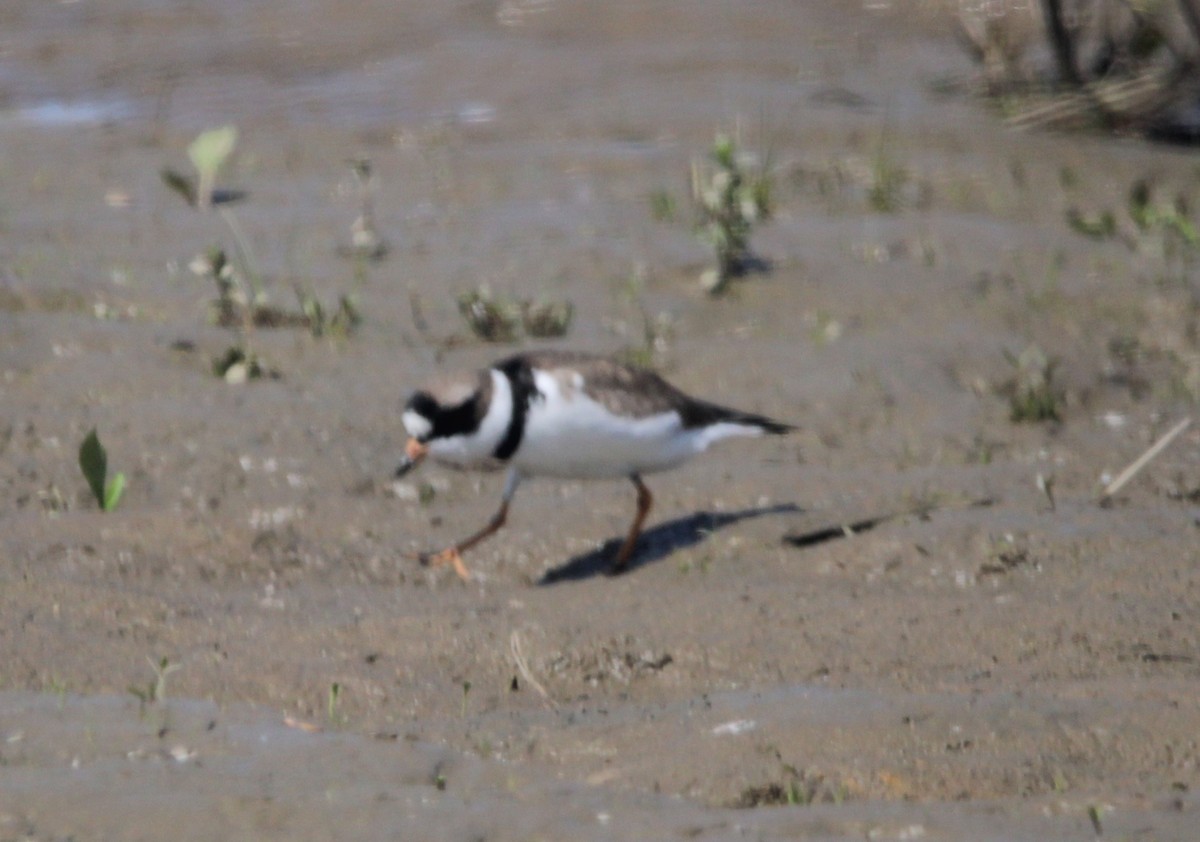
[490,317]
[59,688]
[426,493]
[499,318]
[546,318]
[1165,226]
[242,304]
[335,695]
[801,789]
[339,321]
[466,690]
[888,180]
[236,304]
[662,206]
[156,690]
[208,153]
[656,331]
[1034,396]
[93,460]
[1101,226]
[730,201]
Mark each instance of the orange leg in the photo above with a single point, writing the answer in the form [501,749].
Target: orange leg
[644,501]
[452,555]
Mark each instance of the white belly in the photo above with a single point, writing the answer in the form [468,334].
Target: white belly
[594,446]
[573,436]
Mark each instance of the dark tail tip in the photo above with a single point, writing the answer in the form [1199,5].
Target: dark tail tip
[767,425]
[774,428]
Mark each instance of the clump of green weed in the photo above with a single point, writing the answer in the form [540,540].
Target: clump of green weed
[889,178]
[242,302]
[546,318]
[662,206]
[494,317]
[93,461]
[491,317]
[654,332]
[1100,226]
[339,321]
[732,194]
[799,788]
[1034,396]
[1166,228]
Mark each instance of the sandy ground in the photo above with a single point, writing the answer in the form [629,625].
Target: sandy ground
[983,662]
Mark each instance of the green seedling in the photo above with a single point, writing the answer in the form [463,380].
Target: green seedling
[335,695]
[656,331]
[208,153]
[161,670]
[339,321]
[1166,225]
[156,690]
[1101,226]
[498,318]
[1034,395]
[490,317]
[232,306]
[426,493]
[888,180]
[545,319]
[93,460]
[59,688]
[662,206]
[730,201]
[466,688]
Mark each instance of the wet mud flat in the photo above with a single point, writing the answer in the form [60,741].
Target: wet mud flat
[940,649]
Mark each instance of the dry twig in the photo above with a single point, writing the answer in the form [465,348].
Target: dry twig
[514,645]
[1142,461]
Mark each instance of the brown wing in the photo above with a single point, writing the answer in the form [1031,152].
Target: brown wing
[637,392]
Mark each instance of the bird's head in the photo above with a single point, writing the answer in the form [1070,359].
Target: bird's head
[449,408]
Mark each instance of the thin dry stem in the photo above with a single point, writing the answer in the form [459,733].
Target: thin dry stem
[514,645]
[1142,461]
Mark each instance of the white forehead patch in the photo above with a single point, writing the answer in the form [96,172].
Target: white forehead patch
[418,425]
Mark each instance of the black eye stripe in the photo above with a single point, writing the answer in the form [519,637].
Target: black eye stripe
[422,404]
[445,421]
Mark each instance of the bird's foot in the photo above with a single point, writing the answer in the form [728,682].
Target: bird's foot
[450,556]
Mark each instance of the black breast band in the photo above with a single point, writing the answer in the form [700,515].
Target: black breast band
[520,380]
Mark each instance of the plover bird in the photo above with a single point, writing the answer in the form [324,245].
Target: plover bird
[566,415]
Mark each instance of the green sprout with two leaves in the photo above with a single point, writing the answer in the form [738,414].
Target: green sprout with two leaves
[93,460]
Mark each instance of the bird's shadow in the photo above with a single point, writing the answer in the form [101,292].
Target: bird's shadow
[657,543]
